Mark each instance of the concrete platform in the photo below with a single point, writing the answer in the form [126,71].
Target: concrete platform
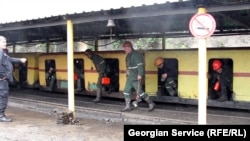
[35,126]
[33,120]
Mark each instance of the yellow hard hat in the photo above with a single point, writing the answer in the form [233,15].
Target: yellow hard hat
[158,61]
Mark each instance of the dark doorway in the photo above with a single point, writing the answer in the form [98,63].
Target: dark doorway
[23,72]
[50,74]
[113,74]
[169,85]
[226,77]
[79,74]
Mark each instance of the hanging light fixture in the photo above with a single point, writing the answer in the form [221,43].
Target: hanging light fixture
[111,24]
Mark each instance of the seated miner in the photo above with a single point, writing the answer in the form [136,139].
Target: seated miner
[168,74]
[50,79]
[78,70]
[220,80]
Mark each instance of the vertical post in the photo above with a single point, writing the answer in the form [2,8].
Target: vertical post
[14,48]
[96,44]
[202,77]
[47,46]
[163,47]
[70,57]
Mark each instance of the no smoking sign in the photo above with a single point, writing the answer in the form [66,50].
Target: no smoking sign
[202,25]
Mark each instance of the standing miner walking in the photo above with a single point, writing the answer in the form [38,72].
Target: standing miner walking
[135,73]
[101,68]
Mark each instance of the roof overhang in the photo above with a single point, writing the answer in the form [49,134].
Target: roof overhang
[158,20]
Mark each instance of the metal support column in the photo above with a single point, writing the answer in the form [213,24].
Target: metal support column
[70,57]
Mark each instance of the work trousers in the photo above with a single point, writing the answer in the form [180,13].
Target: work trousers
[4,94]
[136,85]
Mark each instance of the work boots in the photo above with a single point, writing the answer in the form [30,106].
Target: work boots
[98,96]
[3,118]
[127,106]
[171,87]
[79,85]
[171,91]
[223,96]
[51,84]
[150,103]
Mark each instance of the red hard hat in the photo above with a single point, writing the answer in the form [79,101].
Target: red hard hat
[216,64]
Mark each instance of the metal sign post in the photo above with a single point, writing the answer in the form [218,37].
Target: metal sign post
[202,25]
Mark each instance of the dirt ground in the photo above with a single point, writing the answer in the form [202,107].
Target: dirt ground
[35,126]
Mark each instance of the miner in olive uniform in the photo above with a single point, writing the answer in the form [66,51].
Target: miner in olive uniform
[6,77]
[100,65]
[135,73]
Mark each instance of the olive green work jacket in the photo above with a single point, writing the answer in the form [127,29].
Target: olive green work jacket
[134,65]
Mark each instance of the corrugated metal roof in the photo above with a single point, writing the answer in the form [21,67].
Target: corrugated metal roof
[28,10]
[158,20]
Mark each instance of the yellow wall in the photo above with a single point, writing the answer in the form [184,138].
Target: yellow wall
[90,74]
[241,65]
[187,84]
[32,74]
[61,66]
[188,62]
[188,69]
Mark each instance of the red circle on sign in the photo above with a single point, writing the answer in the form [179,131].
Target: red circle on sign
[202,25]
